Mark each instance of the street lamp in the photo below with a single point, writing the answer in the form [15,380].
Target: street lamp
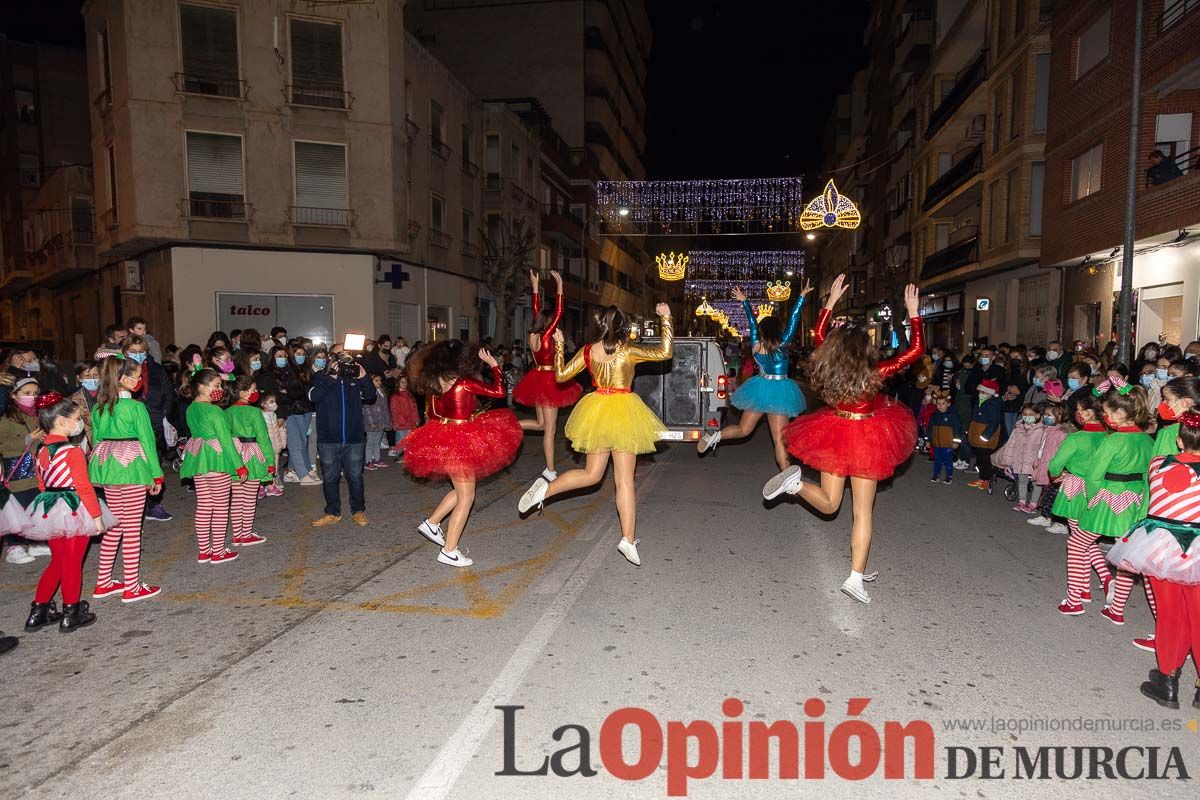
[810,236]
[623,211]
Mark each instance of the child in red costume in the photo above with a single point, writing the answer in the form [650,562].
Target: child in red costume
[860,434]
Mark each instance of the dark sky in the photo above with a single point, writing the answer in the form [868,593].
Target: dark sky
[743,88]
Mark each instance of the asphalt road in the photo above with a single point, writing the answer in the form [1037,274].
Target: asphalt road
[346,662]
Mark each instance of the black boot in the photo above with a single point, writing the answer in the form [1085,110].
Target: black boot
[78,616]
[41,615]
[1163,689]
[7,643]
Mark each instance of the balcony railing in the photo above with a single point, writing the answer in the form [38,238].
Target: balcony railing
[439,148]
[469,168]
[1174,12]
[215,208]
[319,97]
[110,219]
[439,239]
[957,175]
[1184,163]
[967,81]
[189,83]
[470,250]
[950,258]
[321,217]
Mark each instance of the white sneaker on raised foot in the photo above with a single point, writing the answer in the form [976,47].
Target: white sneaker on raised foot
[1040,521]
[708,441]
[549,474]
[1058,528]
[456,558]
[629,550]
[855,591]
[433,532]
[533,496]
[786,482]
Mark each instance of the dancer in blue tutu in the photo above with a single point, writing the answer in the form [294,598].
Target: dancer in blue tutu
[771,392]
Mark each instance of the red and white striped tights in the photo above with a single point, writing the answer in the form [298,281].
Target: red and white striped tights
[127,504]
[1083,556]
[1124,587]
[212,511]
[245,500]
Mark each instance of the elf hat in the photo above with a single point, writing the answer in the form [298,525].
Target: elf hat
[989,386]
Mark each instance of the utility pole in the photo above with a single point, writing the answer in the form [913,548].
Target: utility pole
[1125,320]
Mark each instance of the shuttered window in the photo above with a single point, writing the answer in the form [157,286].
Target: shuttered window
[214,170]
[321,184]
[317,78]
[209,42]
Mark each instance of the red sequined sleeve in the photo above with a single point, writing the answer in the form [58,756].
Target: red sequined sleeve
[822,326]
[548,334]
[482,389]
[916,348]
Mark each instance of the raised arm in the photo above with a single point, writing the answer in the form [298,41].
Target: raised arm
[537,293]
[548,334]
[794,320]
[495,389]
[666,347]
[836,291]
[752,322]
[916,344]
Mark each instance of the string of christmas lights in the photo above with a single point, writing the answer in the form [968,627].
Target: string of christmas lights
[745,264]
[764,204]
[723,289]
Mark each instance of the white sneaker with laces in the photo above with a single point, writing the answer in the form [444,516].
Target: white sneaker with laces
[38,550]
[433,532]
[961,465]
[456,558]
[1058,528]
[17,554]
[786,482]
[854,590]
[708,441]
[629,550]
[311,479]
[291,477]
[1039,520]
[533,496]
[549,474]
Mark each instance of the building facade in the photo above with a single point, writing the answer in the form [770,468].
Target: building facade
[1087,158]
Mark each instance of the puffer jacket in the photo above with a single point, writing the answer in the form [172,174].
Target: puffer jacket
[1055,434]
[1020,452]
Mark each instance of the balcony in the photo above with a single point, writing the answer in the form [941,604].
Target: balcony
[958,174]
[439,148]
[1174,12]
[967,81]
[218,208]
[208,85]
[1184,163]
[915,42]
[69,252]
[950,258]
[320,97]
[439,239]
[561,224]
[469,167]
[310,216]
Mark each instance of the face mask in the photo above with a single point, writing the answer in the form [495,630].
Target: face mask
[319,363]
[1038,382]
[91,384]
[300,359]
[983,398]
[1028,420]
[1165,411]
[33,366]
[270,406]
[1074,383]
[281,362]
[1047,420]
[387,347]
[77,428]
[253,398]
[948,363]
[1146,378]
[256,365]
[225,366]
[137,358]
[1079,418]
[1052,355]
[216,394]
[1161,374]
[26,402]
[985,361]
[1110,422]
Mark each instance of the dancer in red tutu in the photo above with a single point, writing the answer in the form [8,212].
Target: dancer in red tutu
[539,388]
[859,435]
[458,440]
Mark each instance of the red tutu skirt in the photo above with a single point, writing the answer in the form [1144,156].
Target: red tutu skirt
[481,446]
[860,448]
[538,388]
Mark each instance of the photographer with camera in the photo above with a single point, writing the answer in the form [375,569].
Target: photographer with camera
[338,394]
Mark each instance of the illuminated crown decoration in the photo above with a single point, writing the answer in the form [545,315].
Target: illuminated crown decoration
[830,210]
[721,317]
[672,267]
[763,310]
[779,291]
[704,309]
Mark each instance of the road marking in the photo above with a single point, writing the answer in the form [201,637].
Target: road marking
[557,577]
[447,767]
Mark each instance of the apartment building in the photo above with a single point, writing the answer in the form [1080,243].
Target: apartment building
[1087,158]
[845,146]
[250,161]
[45,197]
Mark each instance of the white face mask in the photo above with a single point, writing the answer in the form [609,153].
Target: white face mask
[271,406]
[1051,355]
[78,428]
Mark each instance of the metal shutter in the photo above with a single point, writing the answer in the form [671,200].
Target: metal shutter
[209,38]
[214,164]
[320,175]
[316,55]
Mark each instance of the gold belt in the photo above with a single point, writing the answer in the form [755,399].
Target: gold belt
[541,368]
[455,421]
[852,415]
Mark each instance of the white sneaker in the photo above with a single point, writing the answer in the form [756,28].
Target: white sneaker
[454,559]
[311,479]
[38,550]
[1040,521]
[786,482]
[533,496]
[962,466]
[708,441]
[17,554]
[1058,528]
[433,532]
[629,550]
[290,476]
[855,591]
[549,474]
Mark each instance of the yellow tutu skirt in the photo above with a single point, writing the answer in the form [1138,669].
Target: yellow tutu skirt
[619,422]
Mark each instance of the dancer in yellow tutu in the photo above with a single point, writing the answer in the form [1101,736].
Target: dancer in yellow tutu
[609,421]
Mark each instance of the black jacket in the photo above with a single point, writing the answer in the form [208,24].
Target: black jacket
[289,389]
[979,372]
[161,400]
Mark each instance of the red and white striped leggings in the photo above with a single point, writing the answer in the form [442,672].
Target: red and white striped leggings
[127,503]
[1083,555]
[245,500]
[212,511]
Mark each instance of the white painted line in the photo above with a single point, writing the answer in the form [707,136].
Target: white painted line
[447,767]
[555,579]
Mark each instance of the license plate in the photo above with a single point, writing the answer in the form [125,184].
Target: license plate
[672,436]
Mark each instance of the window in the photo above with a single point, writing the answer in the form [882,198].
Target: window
[208,40]
[1003,9]
[81,219]
[467,144]
[606,272]
[26,107]
[214,176]
[1037,181]
[1014,111]
[29,173]
[105,62]
[466,227]
[1173,135]
[514,164]
[437,212]
[1091,45]
[1041,97]
[495,227]
[1010,223]
[112,180]
[1085,173]
[321,184]
[437,122]
[993,216]
[1019,23]
[317,78]
[491,160]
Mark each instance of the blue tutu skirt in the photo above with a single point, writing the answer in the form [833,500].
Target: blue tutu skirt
[769,397]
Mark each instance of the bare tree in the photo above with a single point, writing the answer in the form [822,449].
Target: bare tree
[504,268]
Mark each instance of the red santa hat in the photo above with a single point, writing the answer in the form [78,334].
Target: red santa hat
[989,386]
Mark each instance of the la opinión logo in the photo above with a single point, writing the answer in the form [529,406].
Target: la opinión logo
[732,749]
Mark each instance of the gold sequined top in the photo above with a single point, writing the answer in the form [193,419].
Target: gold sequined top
[615,372]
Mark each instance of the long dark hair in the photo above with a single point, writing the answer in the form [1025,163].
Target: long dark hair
[842,369]
[241,384]
[112,370]
[542,321]
[218,337]
[612,328]
[1185,387]
[432,365]
[62,408]
[203,378]
[770,333]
